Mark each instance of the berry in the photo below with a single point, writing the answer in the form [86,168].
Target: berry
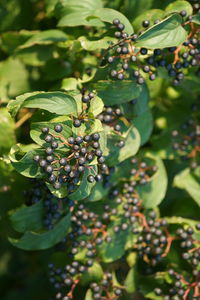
[49,150]
[78,140]
[71,140]
[52,178]
[77,123]
[43,163]
[140,80]
[118,35]
[58,128]
[120,26]
[120,76]
[95,136]
[143,51]
[54,145]
[110,59]
[63,161]
[85,98]
[113,73]
[45,130]
[48,138]
[87,138]
[116,22]
[183,13]
[145,23]
[57,185]
[98,177]
[36,158]
[49,169]
[90,178]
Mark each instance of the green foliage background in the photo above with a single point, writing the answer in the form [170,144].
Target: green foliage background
[40,51]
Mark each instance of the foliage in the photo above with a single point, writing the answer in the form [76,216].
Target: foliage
[100,149]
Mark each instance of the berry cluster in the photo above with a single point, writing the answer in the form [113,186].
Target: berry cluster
[191,249]
[68,169]
[63,279]
[89,230]
[182,286]
[186,142]
[52,206]
[85,99]
[105,290]
[111,117]
[154,241]
[141,172]
[174,59]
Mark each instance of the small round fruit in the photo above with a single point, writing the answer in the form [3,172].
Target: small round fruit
[43,163]
[85,99]
[57,185]
[71,140]
[49,169]
[98,177]
[77,123]
[48,138]
[58,128]
[183,13]
[90,178]
[45,130]
[36,158]
[145,23]
[63,161]
[95,136]
[116,22]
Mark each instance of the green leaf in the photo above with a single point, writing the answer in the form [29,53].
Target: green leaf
[54,102]
[15,105]
[7,131]
[151,15]
[85,187]
[45,37]
[153,296]
[98,192]
[180,220]
[25,165]
[88,295]
[27,218]
[36,55]
[13,83]
[196,18]
[93,274]
[132,143]
[189,182]
[40,241]
[50,6]
[38,136]
[167,33]
[144,125]
[108,14]
[117,92]
[178,6]
[96,106]
[139,106]
[95,44]
[9,41]
[130,281]
[78,13]
[153,192]
[121,241]
[69,84]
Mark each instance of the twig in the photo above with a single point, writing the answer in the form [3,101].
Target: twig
[21,121]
